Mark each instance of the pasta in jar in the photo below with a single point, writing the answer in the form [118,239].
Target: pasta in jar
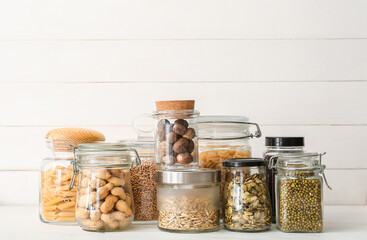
[57,201]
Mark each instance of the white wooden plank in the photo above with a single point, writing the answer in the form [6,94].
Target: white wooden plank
[116,104]
[348,187]
[23,148]
[173,19]
[181,61]
[19,187]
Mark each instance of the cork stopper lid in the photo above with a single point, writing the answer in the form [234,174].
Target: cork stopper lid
[175,105]
[61,138]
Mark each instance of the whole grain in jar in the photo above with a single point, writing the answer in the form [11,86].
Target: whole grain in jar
[299,192]
[188,200]
[143,181]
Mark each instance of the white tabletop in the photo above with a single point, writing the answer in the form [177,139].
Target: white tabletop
[22,222]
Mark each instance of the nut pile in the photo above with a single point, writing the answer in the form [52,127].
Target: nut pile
[144,191]
[104,200]
[188,214]
[300,203]
[247,205]
[176,142]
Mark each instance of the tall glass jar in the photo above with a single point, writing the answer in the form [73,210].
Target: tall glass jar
[188,200]
[104,199]
[143,181]
[299,192]
[274,147]
[176,134]
[224,137]
[57,202]
[247,204]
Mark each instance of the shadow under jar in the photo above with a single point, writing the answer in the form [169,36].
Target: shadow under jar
[246,198]
[176,138]
[299,185]
[188,200]
[104,200]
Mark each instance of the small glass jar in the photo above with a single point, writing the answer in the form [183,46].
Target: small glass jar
[143,181]
[188,200]
[274,147]
[56,201]
[247,205]
[176,135]
[222,138]
[299,192]
[104,201]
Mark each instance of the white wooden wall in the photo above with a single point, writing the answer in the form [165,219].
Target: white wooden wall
[297,67]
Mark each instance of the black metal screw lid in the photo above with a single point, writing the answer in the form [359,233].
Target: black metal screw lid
[244,162]
[285,141]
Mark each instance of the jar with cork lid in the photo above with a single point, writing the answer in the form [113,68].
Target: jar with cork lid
[176,134]
[57,202]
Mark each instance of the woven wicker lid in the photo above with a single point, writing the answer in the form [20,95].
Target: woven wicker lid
[62,138]
[175,105]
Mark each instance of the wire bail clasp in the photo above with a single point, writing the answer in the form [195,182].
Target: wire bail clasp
[75,168]
[322,170]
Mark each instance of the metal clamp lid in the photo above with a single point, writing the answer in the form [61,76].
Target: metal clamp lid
[74,163]
[256,134]
[321,167]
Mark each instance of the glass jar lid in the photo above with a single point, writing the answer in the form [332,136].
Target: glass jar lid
[188,176]
[144,146]
[284,141]
[297,161]
[105,154]
[226,128]
[244,162]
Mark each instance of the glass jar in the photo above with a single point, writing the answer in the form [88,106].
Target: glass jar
[224,137]
[104,200]
[143,181]
[175,135]
[188,200]
[299,192]
[276,146]
[56,201]
[247,204]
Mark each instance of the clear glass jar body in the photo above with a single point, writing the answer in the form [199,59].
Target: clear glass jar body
[176,139]
[271,152]
[144,189]
[299,205]
[56,201]
[212,153]
[191,208]
[246,199]
[104,200]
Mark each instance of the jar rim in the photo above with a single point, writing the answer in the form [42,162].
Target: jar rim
[224,127]
[188,176]
[105,155]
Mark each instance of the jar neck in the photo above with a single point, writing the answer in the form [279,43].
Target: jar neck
[288,148]
[299,172]
[63,155]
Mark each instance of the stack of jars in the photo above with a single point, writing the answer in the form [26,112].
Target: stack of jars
[188,197]
[195,171]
